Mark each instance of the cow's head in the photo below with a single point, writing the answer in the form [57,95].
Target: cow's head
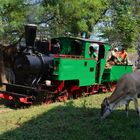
[105,108]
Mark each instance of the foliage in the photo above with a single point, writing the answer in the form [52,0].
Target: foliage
[121,23]
[78,119]
[120,19]
[12,18]
[74,17]
[55,18]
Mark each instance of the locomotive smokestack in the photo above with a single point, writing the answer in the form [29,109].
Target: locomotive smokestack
[30,34]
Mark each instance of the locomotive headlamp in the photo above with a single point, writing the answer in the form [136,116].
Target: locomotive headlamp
[48,82]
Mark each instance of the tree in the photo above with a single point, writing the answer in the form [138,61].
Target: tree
[2,71]
[55,18]
[73,17]
[12,18]
[121,23]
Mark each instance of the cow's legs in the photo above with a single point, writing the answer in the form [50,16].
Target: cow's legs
[136,105]
[127,107]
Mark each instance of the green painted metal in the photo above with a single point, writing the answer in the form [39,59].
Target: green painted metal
[86,53]
[116,72]
[101,70]
[83,70]
[102,63]
[66,45]
[107,48]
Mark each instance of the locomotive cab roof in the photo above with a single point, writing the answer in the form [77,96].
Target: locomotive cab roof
[83,39]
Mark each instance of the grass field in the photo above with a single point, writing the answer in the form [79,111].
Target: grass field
[74,120]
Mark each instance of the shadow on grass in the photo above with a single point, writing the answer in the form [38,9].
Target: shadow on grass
[72,123]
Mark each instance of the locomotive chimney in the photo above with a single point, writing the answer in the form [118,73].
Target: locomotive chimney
[30,34]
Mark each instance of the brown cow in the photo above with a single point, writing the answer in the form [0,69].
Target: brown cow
[127,89]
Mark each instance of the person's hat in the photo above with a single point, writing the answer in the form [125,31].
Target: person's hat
[94,46]
[116,49]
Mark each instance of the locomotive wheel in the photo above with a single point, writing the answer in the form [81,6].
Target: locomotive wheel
[12,104]
[77,94]
[63,97]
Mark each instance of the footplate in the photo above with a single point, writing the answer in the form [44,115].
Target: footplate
[17,92]
[12,96]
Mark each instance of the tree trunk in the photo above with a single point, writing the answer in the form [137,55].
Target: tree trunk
[138,51]
[2,71]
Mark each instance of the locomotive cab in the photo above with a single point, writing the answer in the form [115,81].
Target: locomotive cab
[74,62]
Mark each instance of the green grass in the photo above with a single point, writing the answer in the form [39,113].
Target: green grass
[73,120]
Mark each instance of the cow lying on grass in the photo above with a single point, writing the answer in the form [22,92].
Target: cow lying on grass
[127,89]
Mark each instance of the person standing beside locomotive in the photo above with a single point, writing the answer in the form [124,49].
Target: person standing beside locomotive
[114,55]
[123,56]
